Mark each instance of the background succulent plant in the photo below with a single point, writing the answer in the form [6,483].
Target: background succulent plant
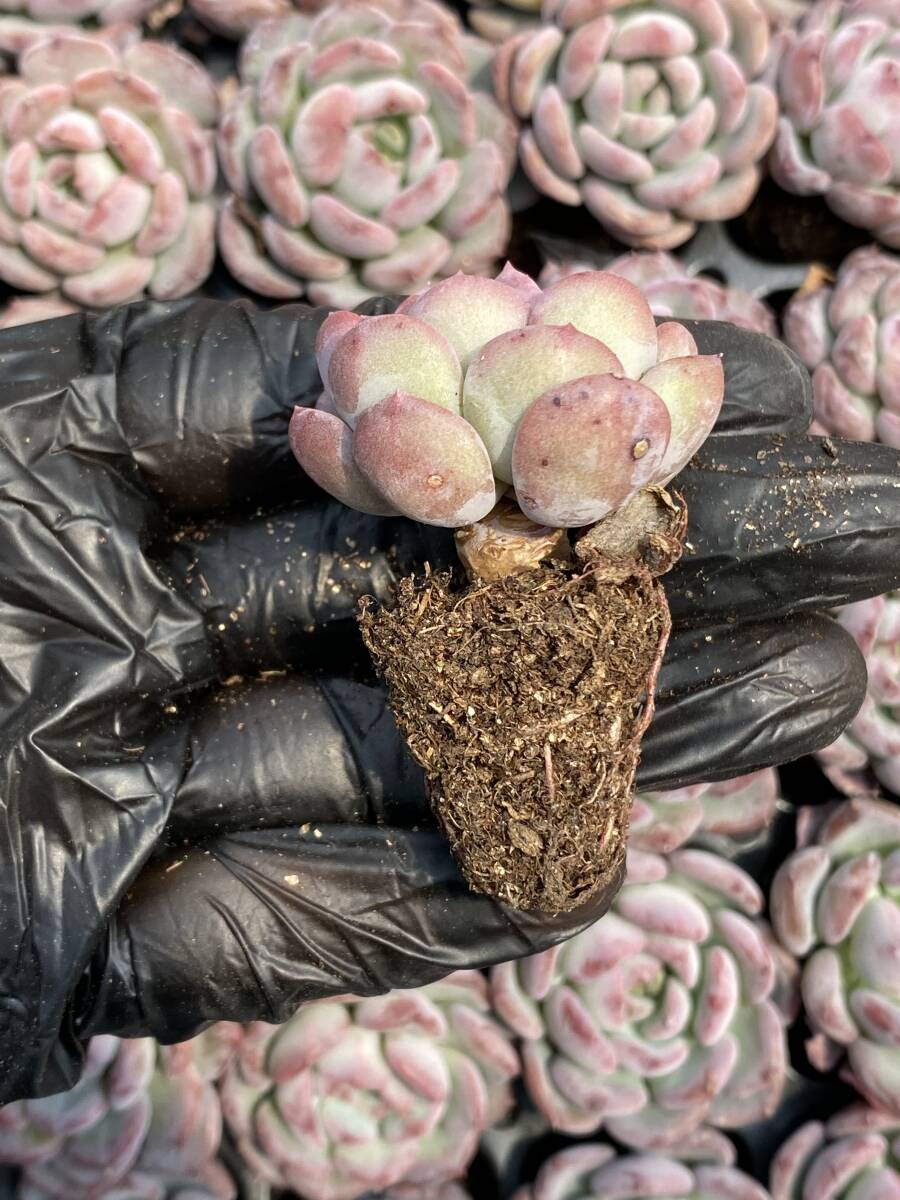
[873,737]
[24,22]
[663,821]
[848,334]
[25,310]
[236,18]
[363,159]
[139,1123]
[108,166]
[834,902]
[353,1095]
[570,394]
[853,1156]
[654,116]
[497,20]
[672,291]
[659,1018]
[591,1170]
[839,129]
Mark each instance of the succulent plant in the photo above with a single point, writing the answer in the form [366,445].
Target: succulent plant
[660,1018]
[353,1095]
[592,1170]
[25,310]
[663,821]
[873,737]
[848,335]
[652,115]
[24,22]
[853,1156]
[362,157]
[835,902]
[839,129]
[672,291]
[142,1122]
[108,166]
[570,394]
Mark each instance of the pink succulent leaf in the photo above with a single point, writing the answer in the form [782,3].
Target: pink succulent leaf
[692,389]
[323,446]
[582,450]
[374,113]
[470,311]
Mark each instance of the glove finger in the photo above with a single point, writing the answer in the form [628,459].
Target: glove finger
[250,926]
[312,751]
[767,387]
[776,526]
[782,689]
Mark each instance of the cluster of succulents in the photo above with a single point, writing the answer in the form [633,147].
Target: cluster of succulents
[357,1094]
[570,394]
[733,809]
[665,1017]
[362,157]
[839,132]
[108,171]
[142,1122]
[672,291]
[653,117]
[848,335]
[835,903]
[593,1170]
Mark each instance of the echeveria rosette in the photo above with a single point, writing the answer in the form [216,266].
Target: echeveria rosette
[853,1156]
[672,291]
[660,1019]
[839,128]
[357,1095]
[362,158]
[654,116]
[142,1122]
[107,166]
[872,740]
[590,1171]
[570,394]
[735,808]
[836,903]
[848,335]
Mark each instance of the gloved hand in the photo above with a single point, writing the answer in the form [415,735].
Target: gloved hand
[207,810]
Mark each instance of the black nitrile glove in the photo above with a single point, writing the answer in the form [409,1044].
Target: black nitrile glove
[207,810]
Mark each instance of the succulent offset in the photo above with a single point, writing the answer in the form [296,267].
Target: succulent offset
[652,115]
[142,1122]
[848,335]
[107,166]
[589,1170]
[872,739]
[836,903]
[853,1156]
[672,291]
[661,1018]
[356,1095]
[362,158]
[735,808]
[570,394]
[839,128]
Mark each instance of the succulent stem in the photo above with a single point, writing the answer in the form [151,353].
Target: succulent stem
[506,542]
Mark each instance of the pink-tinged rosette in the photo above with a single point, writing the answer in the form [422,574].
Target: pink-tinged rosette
[735,808]
[107,166]
[836,904]
[569,398]
[848,335]
[672,291]
[590,1171]
[839,126]
[662,1019]
[362,155]
[653,115]
[353,1096]
[853,1156]
[143,1123]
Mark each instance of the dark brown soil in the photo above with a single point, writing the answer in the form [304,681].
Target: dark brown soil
[524,700]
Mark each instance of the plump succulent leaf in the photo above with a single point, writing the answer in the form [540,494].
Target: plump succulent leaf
[323,446]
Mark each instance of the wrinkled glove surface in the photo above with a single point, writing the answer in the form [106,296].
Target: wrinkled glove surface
[207,809]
